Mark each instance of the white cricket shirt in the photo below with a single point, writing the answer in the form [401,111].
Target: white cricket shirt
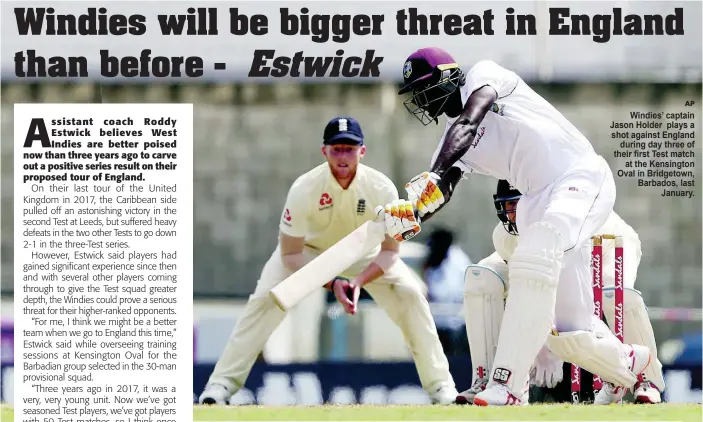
[523,139]
[318,209]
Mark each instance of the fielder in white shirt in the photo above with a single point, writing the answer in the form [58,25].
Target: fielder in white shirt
[488,282]
[496,125]
[323,206]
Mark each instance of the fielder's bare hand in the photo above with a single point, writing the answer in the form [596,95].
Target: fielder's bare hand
[424,193]
[548,370]
[347,293]
[401,223]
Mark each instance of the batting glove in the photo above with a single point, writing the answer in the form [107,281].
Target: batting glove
[401,223]
[424,193]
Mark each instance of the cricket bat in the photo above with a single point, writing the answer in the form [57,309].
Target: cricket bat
[331,262]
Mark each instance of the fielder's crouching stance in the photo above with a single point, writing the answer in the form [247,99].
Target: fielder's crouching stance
[498,126]
[487,284]
[323,206]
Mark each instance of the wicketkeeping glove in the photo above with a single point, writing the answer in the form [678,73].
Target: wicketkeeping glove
[424,193]
[548,370]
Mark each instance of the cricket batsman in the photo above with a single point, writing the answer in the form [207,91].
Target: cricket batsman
[323,206]
[487,284]
[496,125]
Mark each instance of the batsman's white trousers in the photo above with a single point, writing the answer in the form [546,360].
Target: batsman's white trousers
[577,205]
[398,292]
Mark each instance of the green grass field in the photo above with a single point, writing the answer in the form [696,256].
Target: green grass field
[663,412]
[626,412]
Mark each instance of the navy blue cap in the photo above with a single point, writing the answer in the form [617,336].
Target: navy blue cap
[343,131]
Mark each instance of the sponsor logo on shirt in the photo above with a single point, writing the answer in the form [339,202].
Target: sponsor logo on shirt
[479,135]
[325,201]
[287,217]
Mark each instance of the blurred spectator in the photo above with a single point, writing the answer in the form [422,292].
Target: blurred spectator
[444,270]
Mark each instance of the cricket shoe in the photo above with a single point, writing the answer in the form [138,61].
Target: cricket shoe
[215,394]
[444,396]
[499,395]
[467,397]
[647,393]
[610,393]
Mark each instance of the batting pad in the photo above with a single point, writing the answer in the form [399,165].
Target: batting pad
[598,352]
[484,304]
[637,328]
[529,310]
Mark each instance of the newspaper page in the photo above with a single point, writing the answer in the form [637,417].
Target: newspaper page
[321,210]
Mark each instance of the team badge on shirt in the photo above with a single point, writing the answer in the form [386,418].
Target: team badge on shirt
[361,207]
[498,108]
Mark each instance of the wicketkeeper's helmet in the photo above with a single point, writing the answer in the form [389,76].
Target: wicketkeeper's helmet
[504,193]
